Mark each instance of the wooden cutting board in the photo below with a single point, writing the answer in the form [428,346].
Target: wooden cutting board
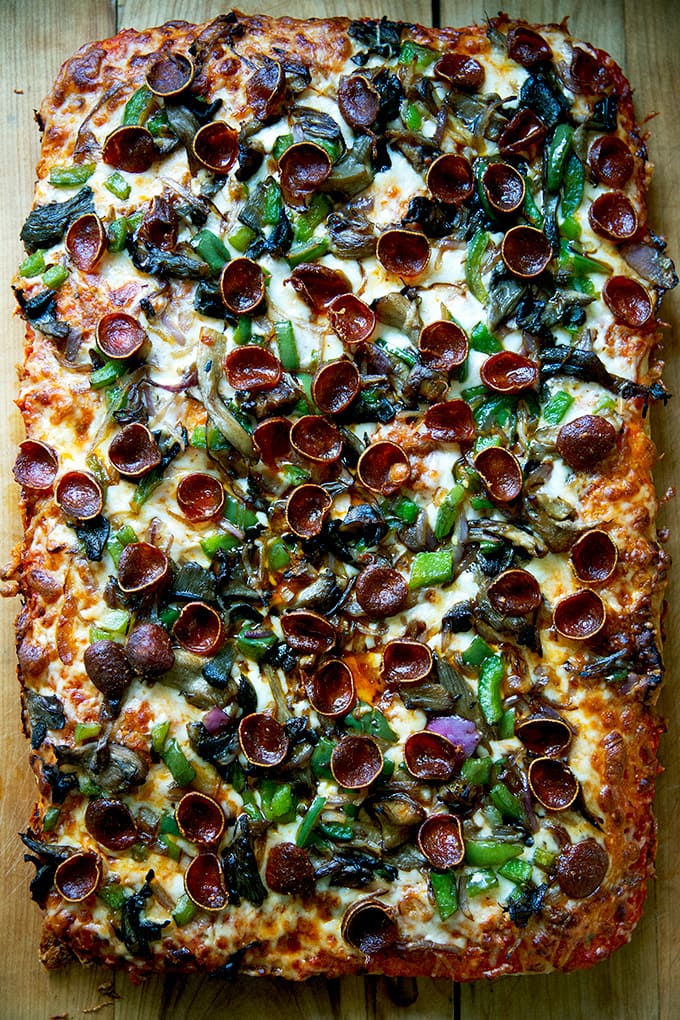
[642,981]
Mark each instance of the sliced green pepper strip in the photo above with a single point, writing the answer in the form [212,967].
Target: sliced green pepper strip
[403,508]
[506,727]
[273,203]
[118,233]
[480,882]
[476,652]
[238,514]
[278,556]
[336,831]
[139,106]
[473,266]
[182,770]
[281,143]
[223,540]
[117,185]
[185,911]
[483,341]
[570,228]
[309,821]
[531,210]
[157,124]
[507,803]
[86,731]
[107,374]
[556,408]
[429,568]
[321,759]
[51,819]
[579,264]
[489,689]
[168,824]
[516,871]
[445,891]
[413,118]
[146,488]
[574,183]
[372,723]
[241,238]
[406,354]
[211,249]
[489,853]
[71,176]
[308,251]
[544,858]
[477,770]
[170,847]
[159,734]
[558,150]
[285,341]
[55,276]
[447,513]
[413,51]
[307,222]
[113,895]
[254,647]
[34,265]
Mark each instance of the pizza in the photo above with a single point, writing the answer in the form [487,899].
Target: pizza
[341,587]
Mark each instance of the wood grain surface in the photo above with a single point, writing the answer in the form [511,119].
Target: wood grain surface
[641,981]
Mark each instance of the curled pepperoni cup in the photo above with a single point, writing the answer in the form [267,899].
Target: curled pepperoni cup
[381,591]
[507,372]
[580,616]
[613,216]
[200,497]
[119,335]
[149,650]
[406,662]
[108,668]
[272,439]
[111,824]
[263,740]
[335,386]
[199,629]
[303,169]
[331,689]
[383,467]
[316,439]
[129,148]
[141,568]
[78,876]
[440,840]
[581,869]
[307,632]
[553,784]
[523,135]
[356,762]
[449,179]
[526,251]
[403,252]
[443,345]
[289,870]
[628,301]
[594,556]
[369,926]
[204,882]
[585,441]
[528,48]
[351,318]
[170,75]
[200,818]
[611,161]
[588,74]
[215,146]
[358,101]
[266,90]
[515,592]
[429,755]
[450,422]
[80,495]
[86,242]
[318,285]
[307,509]
[500,472]
[252,368]
[242,286]
[504,188]
[134,451]
[36,465]
[459,71]
[544,735]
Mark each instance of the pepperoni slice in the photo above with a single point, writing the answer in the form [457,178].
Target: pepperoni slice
[450,179]
[252,368]
[80,495]
[215,146]
[356,762]
[200,818]
[272,439]
[108,668]
[149,650]
[588,74]
[440,840]
[36,465]
[508,372]
[351,318]
[526,251]
[303,168]
[429,755]
[553,784]
[544,735]
[266,90]
[612,215]
[86,242]
[443,344]
[308,633]
[406,662]
[594,556]
[129,148]
[263,740]
[527,47]
[459,71]
[242,286]
[383,467]
[450,422]
[110,822]
[585,441]
[142,567]
[515,592]
[119,335]
[306,510]
[331,689]
[316,439]
[335,385]
[580,616]
[628,301]
[204,882]
[581,869]
[170,75]
[381,591]
[611,161]
[501,473]
[200,497]
[199,629]
[318,285]
[524,135]
[504,188]
[289,870]
[358,101]
[78,876]
[403,252]
[369,926]
[134,451]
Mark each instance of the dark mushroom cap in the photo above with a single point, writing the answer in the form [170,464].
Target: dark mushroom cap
[263,740]
[356,762]
[403,252]
[331,689]
[80,495]
[107,666]
[443,345]
[358,100]
[170,74]
[523,135]
[142,567]
[110,822]
[36,465]
[86,242]
[316,439]
[200,496]
[584,442]
[450,421]
[381,591]
[628,301]
[253,368]
[544,735]
[303,168]
[581,869]
[215,146]
[78,876]
[552,783]
[429,755]
[149,650]
[500,472]
[335,385]
[526,251]
[289,870]
[369,926]
[508,372]
[160,225]
[611,161]
[242,286]
[129,148]
[527,47]
[318,285]
[308,633]
[406,662]
[266,90]
[383,467]
[272,439]
[204,882]
[450,179]
[587,72]
[440,840]
[199,629]
[351,318]
[612,215]
[134,451]
[460,71]
[504,188]
[594,556]
[306,510]
[200,819]
[119,335]
[580,616]
[515,592]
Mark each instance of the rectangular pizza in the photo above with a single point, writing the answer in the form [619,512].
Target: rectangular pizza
[341,586]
